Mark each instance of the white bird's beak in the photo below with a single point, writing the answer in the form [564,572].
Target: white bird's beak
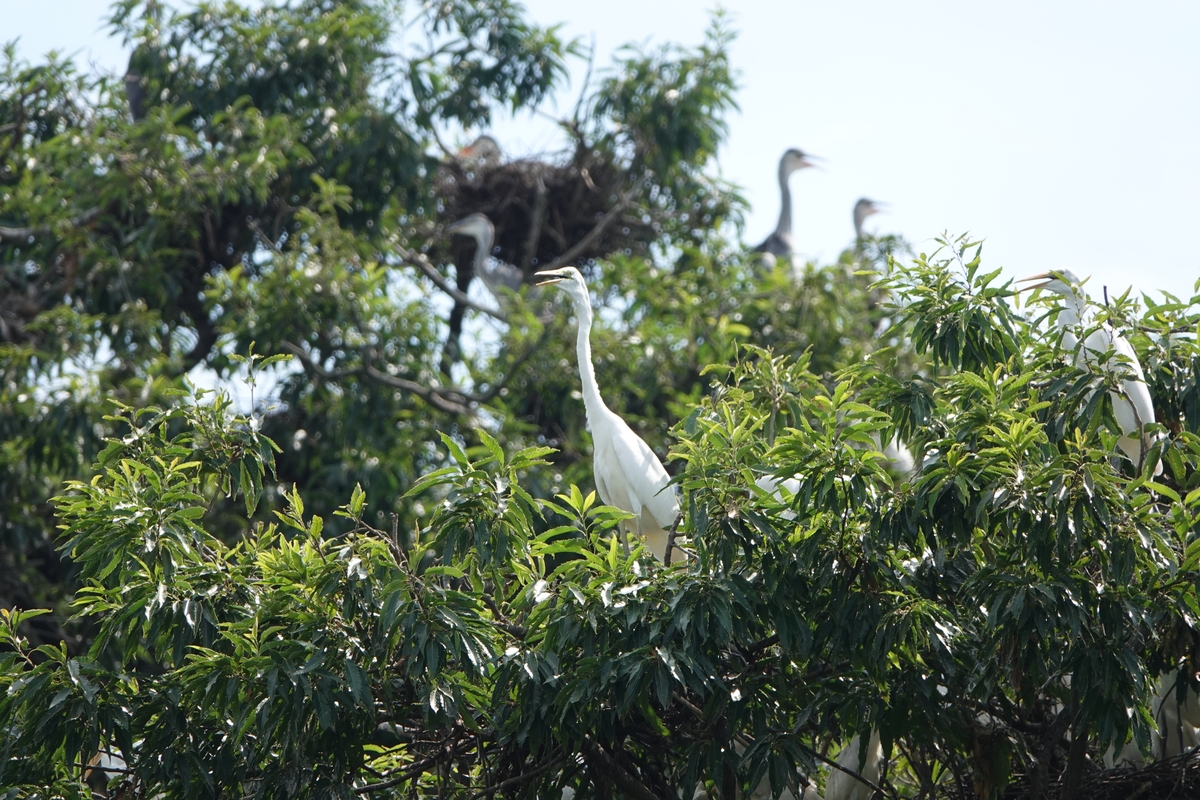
[550,275]
[454,227]
[1043,277]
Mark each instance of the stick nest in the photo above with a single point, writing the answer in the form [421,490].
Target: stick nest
[541,209]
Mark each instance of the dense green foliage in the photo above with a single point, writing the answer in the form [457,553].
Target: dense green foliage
[390,578]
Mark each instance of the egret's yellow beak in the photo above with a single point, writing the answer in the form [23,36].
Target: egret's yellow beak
[551,276]
[1043,277]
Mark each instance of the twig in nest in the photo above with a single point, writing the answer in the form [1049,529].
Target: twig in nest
[598,229]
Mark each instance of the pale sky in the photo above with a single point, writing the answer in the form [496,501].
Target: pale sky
[1065,134]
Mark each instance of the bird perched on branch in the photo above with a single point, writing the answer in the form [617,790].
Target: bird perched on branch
[628,474]
[1132,405]
[780,242]
[496,276]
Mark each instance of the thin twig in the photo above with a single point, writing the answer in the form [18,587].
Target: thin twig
[671,538]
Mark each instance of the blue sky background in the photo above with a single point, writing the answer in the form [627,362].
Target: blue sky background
[1065,134]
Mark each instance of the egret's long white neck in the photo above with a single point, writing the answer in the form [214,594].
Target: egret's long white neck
[1074,309]
[785,207]
[593,403]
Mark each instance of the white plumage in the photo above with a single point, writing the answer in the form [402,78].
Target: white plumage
[1132,405]
[628,474]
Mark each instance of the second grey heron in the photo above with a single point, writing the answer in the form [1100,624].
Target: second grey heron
[863,209]
[496,276]
[780,242]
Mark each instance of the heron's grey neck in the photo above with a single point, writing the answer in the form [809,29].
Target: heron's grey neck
[593,403]
[483,249]
[785,208]
[859,219]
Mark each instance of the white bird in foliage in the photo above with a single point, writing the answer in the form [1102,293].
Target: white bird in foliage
[496,276]
[780,242]
[1132,405]
[844,786]
[628,474]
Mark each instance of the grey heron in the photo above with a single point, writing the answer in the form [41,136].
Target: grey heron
[863,209]
[484,151]
[780,242]
[496,276]
[628,474]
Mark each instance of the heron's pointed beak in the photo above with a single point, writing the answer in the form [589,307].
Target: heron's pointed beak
[810,160]
[550,275]
[455,227]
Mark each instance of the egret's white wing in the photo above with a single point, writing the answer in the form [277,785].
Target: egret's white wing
[646,474]
[842,786]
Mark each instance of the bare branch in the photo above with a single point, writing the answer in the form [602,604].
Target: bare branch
[450,401]
[671,538]
[519,779]
[19,234]
[613,769]
[422,263]
[445,751]
[451,154]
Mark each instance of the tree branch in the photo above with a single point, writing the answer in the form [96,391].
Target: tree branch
[419,261]
[518,779]
[671,538]
[613,769]
[18,234]
[444,751]
[452,402]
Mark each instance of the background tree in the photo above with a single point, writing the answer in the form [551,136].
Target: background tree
[387,582]
[278,176]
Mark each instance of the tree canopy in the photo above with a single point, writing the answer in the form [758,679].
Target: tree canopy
[387,574]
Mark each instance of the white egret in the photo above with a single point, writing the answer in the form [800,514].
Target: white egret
[496,276]
[1132,406]
[628,474]
[780,242]
[844,786]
